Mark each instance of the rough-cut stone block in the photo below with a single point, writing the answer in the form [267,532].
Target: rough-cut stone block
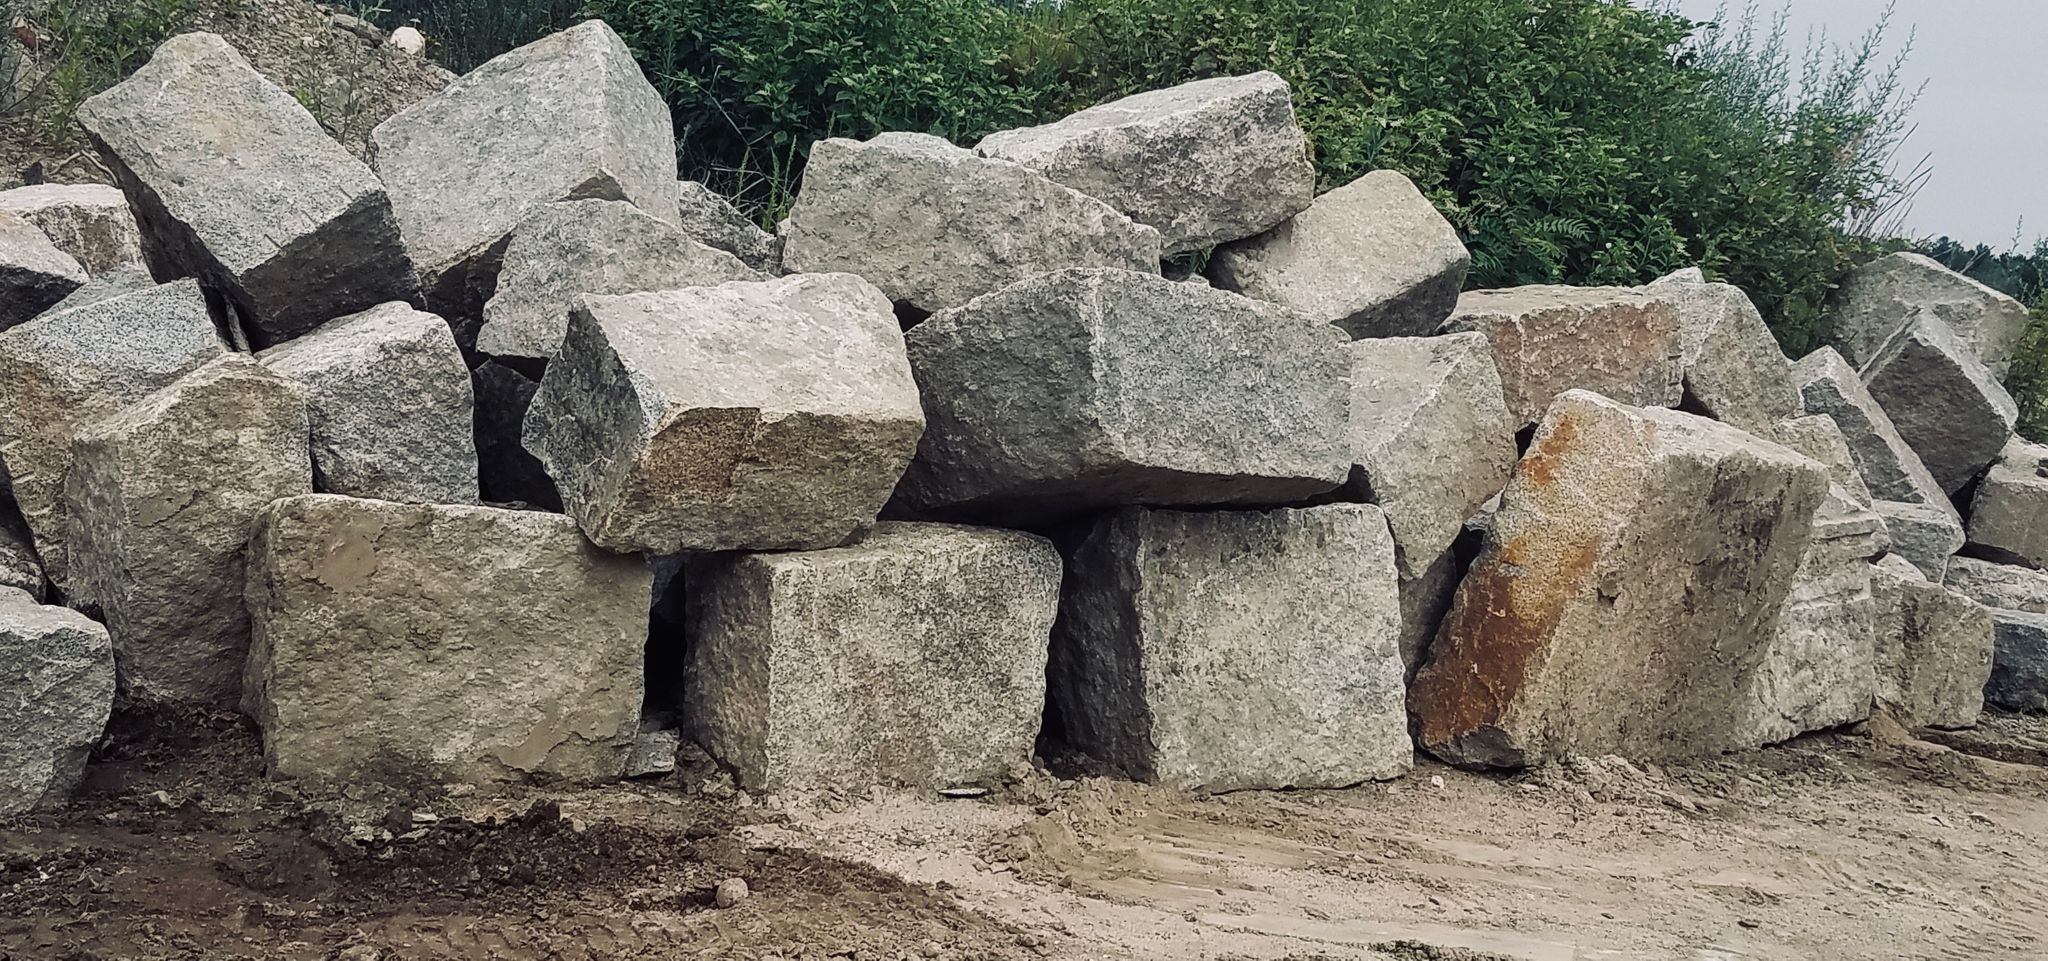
[1934,648]
[1734,370]
[295,230]
[563,251]
[1431,438]
[1082,389]
[440,642]
[1878,299]
[912,657]
[1890,468]
[1818,436]
[712,221]
[34,274]
[1685,275]
[2019,664]
[1924,535]
[56,693]
[1373,257]
[1231,650]
[69,368]
[391,406]
[1205,162]
[1616,342]
[935,226]
[162,496]
[506,471]
[91,222]
[1948,407]
[2009,513]
[568,116]
[1626,594]
[764,415]
[1819,667]
[1993,584]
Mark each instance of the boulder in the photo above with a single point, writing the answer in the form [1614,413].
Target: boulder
[294,231]
[769,415]
[1734,369]
[90,222]
[391,406]
[34,274]
[56,695]
[914,657]
[507,473]
[1684,275]
[1875,301]
[1819,666]
[1627,593]
[935,226]
[1992,584]
[1082,389]
[161,499]
[1934,648]
[1205,162]
[1818,437]
[711,220]
[1948,407]
[1616,342]
[429,643]
[1234,650]
[2019,663]
[569,116]
[1431,438]
[1373,257]
[1925,535]
[2009,512]
[1890,468]
[69,368]
[20,568]
[564,250]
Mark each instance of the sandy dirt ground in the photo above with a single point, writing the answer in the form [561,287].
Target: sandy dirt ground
[1856,845]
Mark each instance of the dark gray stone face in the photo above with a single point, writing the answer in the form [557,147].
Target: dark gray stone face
[34,274]
[507,473]
[1947,406]
[1890,468]
[296,231]
[2019,664]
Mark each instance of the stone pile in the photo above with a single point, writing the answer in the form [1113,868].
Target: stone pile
[416,462]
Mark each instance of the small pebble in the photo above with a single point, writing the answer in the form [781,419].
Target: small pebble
[730,891]
[1436,781]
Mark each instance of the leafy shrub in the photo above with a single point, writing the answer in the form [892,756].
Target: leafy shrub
[82,47]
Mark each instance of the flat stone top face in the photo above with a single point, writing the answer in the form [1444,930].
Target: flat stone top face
[901,543]
[23,246]
[1622,342]
[2007,586]
[118,337]
[355,342]
[36,198]
[539,123]
[811,343]
[198,101]
[1541,298]
[1151,106]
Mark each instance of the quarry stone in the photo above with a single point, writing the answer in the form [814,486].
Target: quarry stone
[1205,162]
[1734,369]
[935,226]
[1373,257]
[914,657]
[1617,342]
[1686,275]
[2009,513]
[562,251]
[1890,468]
[2019,662]
[1234,650]
[428,643]
[162,496]
[506,471]
[34,274]
[1818,436]
[1626,595]
[90,222]
[1934,648]
[1948,407]
[1081,389]
[766,415]
[1992,584]
[66,369]
[1875,301]
[391,406]
[1819,666]
[56,694]
[712,221]
[569,116]
[1431,437]
[1924,535]
[296,230]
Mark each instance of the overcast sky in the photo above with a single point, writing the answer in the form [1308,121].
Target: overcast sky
[1983,117]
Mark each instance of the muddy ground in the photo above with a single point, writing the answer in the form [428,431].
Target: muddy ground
[1840,846]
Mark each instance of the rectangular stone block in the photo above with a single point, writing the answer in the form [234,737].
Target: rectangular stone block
[56,693]
[34,274]
[912,657]
[1626,595]
[1734,370]
[1876,300]
[1923,534]
[1890,468]
[2019,662]
[1934,648]
[1820,666]
[1946,404]
[1614,341]
[1234,650]
[295,230]
[2009,513]
[418,643]
[1992,584]
[90,222]
[162,497]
